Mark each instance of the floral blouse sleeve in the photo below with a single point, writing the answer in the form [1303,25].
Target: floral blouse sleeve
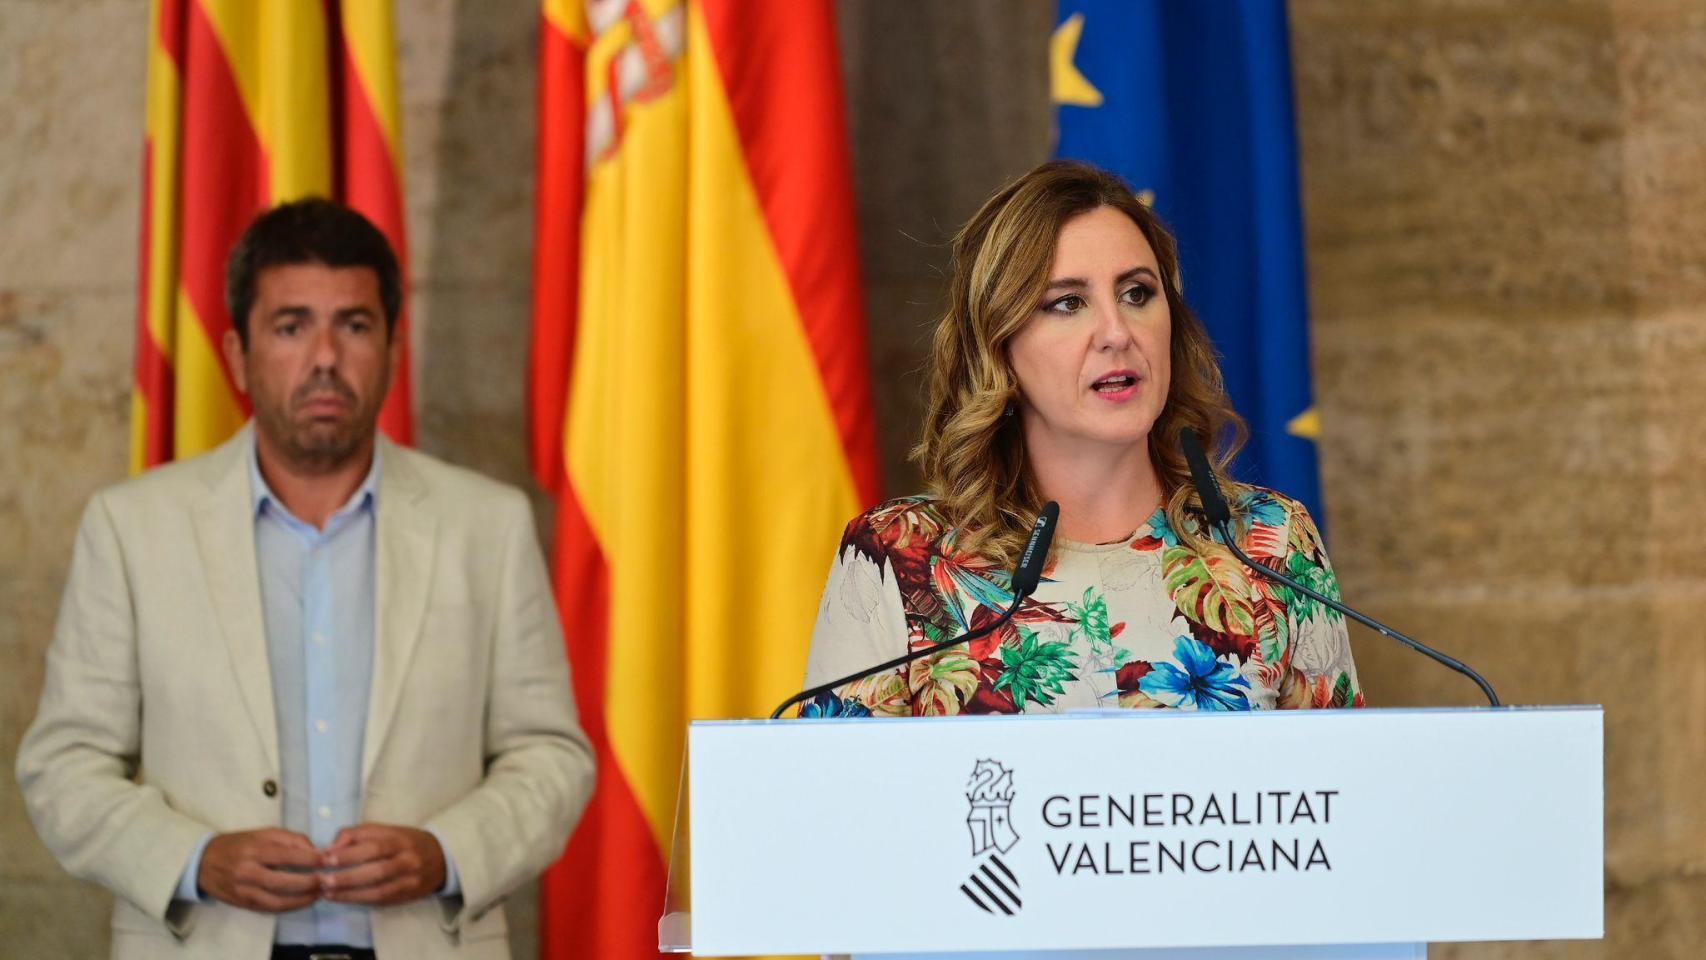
[1320,671]
[861,622]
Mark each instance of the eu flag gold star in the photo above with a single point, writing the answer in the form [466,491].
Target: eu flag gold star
[1066,84]
[1306,425]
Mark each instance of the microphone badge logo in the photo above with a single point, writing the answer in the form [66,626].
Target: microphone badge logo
[992,886]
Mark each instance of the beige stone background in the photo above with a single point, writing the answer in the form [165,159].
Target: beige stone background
[1506,206]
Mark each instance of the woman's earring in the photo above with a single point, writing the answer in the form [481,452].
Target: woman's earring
[1011,408]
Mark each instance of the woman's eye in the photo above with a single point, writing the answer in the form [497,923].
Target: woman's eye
[1067,304]
[1139,295]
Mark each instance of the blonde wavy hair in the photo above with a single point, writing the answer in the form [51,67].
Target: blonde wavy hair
[973,456]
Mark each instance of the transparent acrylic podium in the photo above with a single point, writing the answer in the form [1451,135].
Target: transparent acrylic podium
[1329,835]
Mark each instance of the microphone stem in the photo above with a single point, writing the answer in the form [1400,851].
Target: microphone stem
[1376,626]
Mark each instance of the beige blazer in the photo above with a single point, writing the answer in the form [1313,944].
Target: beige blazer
[156,722]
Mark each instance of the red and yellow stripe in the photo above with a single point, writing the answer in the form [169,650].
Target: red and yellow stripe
[701,396]
[251,103]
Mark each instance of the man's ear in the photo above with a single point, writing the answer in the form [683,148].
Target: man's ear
[234,356]
[393,353]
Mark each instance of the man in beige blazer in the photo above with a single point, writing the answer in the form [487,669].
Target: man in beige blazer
[307,695]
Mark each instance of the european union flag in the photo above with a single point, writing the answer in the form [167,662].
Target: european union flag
[1191,103]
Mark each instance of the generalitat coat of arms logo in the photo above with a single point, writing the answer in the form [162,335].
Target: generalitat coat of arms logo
[992,884]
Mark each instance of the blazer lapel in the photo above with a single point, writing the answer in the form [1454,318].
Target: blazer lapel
[225,536]
[404,542]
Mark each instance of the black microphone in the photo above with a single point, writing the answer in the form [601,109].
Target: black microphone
[1035,554]
[1219,516]
[1026,576]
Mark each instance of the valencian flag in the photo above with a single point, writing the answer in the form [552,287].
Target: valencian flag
[700,394]
[1191,103]
[251,103]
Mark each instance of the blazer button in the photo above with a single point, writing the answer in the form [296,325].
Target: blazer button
[270,788]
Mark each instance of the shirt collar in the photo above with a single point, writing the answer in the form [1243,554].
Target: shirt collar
[262,498]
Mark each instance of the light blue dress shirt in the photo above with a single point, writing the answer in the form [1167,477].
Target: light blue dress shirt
[317,595]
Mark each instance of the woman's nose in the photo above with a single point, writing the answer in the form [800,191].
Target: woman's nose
[1111,330]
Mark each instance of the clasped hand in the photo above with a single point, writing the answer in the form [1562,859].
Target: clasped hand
[275,871]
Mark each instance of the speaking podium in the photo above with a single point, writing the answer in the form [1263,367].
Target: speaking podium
[1346,834]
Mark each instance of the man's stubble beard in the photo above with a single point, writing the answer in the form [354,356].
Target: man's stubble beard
[321,447]
[318,447]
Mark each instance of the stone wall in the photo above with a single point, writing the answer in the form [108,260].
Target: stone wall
[70,162]
[1506,208]
[1506,235]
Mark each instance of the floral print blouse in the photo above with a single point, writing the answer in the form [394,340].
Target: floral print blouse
[1142,623]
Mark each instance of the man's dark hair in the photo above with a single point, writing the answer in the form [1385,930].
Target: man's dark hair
[314,230]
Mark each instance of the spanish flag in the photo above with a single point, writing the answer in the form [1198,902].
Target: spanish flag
[251,103]
[700,392]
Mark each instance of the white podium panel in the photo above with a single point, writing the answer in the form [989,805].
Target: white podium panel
[1124,830]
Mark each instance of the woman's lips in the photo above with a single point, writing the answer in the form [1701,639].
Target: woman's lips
[1128,379]
[1118,396]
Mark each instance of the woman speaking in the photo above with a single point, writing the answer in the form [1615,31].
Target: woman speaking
[1065,368]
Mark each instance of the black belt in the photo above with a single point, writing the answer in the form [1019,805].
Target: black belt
[295,951]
